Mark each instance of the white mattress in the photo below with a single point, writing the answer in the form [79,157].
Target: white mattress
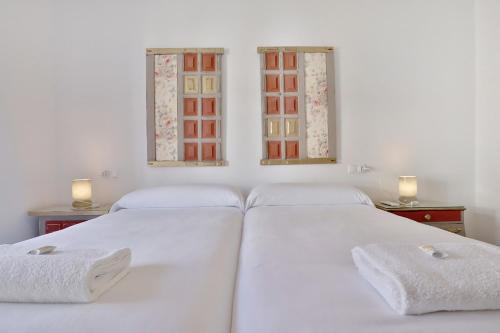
[296,274]
[182,277]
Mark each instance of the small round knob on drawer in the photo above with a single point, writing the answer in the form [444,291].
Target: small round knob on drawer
[427,217]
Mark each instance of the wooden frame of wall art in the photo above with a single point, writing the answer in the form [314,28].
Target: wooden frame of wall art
[298,105]
[184,106]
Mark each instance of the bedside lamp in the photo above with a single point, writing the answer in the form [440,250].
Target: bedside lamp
[408,190]
[81,190]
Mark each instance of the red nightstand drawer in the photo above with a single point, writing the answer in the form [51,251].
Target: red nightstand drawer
[432,215]
[66,224]
[51,226]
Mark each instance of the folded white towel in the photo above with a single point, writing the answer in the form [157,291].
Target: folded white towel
[63,276]
[413,282]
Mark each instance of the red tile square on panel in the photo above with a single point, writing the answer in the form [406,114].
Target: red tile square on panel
[208,106]
[290,82]
[272,83]
[190,128]
[190,106]
[190,62]
[208,152]
[208,128]
[208,62]
[272,60]
[289,60]
[292,149]
[191,151]
[291,104]
[274,150]
[273,104]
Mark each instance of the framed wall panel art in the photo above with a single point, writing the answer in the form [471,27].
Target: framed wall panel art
[184,107]
[298,105]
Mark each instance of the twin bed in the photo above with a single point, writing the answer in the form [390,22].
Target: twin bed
[202,264]
[296,272]
[183,271]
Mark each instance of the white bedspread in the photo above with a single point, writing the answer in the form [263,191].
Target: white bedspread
[296,274]
[181,278]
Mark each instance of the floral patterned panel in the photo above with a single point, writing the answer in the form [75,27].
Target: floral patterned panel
[316,105]
[166,107]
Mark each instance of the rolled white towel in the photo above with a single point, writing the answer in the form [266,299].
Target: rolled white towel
[63,276]
[414,282]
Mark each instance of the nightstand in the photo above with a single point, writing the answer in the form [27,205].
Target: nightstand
[58,218]
[443,216]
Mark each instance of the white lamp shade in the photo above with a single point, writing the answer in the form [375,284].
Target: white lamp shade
[81,190]
[408,187]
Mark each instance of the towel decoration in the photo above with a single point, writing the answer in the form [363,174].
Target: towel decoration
[441,277]
[61,276]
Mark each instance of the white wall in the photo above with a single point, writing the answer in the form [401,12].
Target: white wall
[405,89]
[488,119]
[405,93]
[27,139]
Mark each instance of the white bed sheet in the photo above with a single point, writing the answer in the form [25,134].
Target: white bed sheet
[184,264]
[296,274]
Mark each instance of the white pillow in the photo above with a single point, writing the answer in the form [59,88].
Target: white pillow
[181,196]
[305,195]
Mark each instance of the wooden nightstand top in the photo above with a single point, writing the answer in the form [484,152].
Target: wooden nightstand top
[69,211]
[423,205]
